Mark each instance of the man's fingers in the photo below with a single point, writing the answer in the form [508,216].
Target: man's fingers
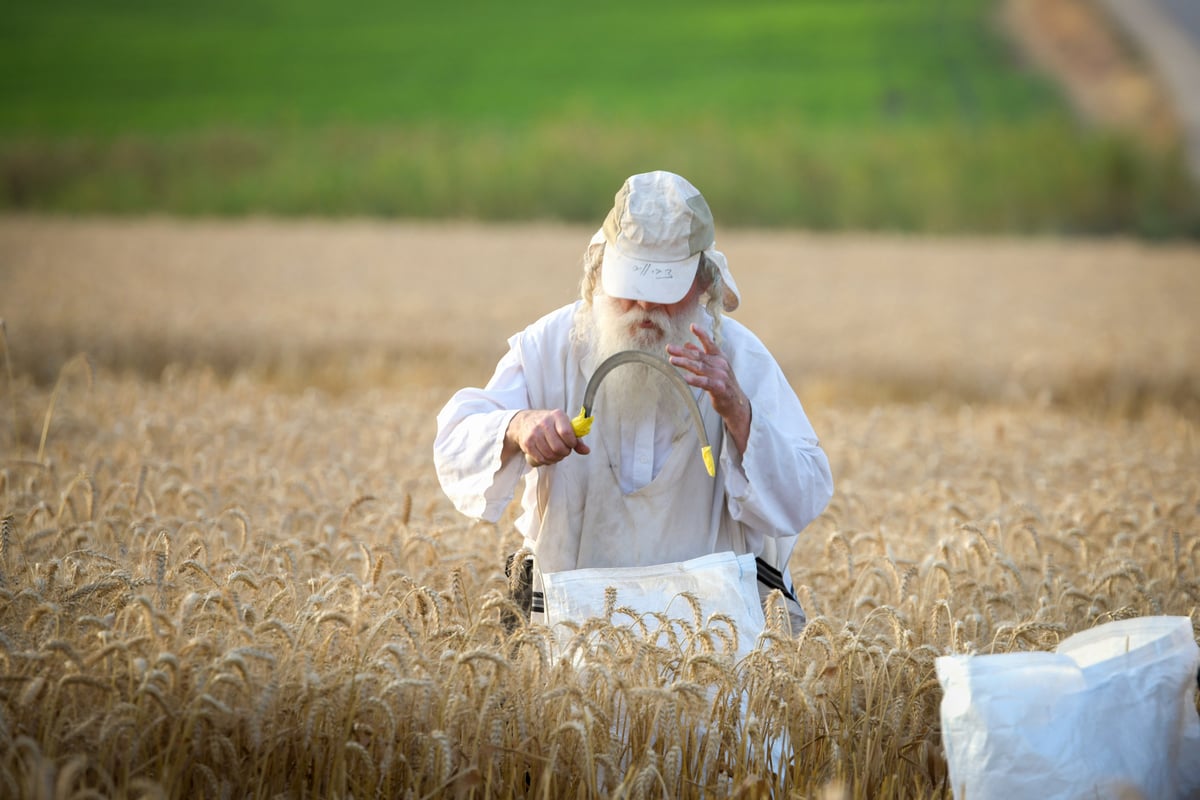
[554,447]
[688,357]
[551,439]
[708,370]
[684,362]
[564,429]
[709,345]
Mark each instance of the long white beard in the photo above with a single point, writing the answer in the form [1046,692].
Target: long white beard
[635,391]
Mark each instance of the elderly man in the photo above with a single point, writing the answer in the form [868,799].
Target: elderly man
[635,490]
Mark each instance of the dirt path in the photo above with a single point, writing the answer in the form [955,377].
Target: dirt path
[1167,32]
[1099,73]
[1128,65]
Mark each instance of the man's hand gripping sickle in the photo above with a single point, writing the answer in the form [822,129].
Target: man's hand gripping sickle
[545,436]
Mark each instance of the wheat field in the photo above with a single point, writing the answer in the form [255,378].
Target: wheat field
[227,570]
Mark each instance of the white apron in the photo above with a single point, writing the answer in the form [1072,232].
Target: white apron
[678,516]
[681,514]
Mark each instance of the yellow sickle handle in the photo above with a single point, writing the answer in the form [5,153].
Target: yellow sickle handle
[582,423]
[708,461]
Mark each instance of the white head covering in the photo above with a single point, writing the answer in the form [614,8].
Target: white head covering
[653,237]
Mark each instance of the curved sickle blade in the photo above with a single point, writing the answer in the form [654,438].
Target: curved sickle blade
[583,422]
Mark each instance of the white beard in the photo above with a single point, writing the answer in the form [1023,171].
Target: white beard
[635,391]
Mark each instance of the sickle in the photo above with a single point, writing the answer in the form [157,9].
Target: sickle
[582,423]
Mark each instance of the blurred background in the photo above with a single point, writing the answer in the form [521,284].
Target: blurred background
[957,200]
[939,116]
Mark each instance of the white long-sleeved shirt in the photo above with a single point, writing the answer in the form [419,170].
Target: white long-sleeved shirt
[764,497]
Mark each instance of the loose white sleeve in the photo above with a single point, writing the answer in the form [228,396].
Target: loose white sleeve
[470,440]
[783,481]
[471,427]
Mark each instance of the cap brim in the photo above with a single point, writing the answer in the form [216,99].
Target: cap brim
[648,281]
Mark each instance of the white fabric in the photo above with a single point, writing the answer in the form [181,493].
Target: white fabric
[665,508]
[732,297]
[1111,713]
[757,504]
[721,583]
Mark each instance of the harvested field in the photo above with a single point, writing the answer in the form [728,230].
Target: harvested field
[227,568]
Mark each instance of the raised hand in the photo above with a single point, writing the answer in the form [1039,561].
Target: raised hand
[707,368]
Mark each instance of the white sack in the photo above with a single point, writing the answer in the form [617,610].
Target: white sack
[722,583]
[1111,713]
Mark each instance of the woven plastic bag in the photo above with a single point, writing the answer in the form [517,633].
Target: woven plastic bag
[1111,713]
[722,583]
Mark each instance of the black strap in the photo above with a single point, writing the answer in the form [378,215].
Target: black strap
[528,600]
[772,578]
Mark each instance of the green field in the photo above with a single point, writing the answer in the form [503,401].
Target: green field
[171,67]
[865,114]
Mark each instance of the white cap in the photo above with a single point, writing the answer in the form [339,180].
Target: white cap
[654,235]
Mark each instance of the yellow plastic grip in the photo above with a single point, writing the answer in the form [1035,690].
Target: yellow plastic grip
[708,462]
[582,423]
